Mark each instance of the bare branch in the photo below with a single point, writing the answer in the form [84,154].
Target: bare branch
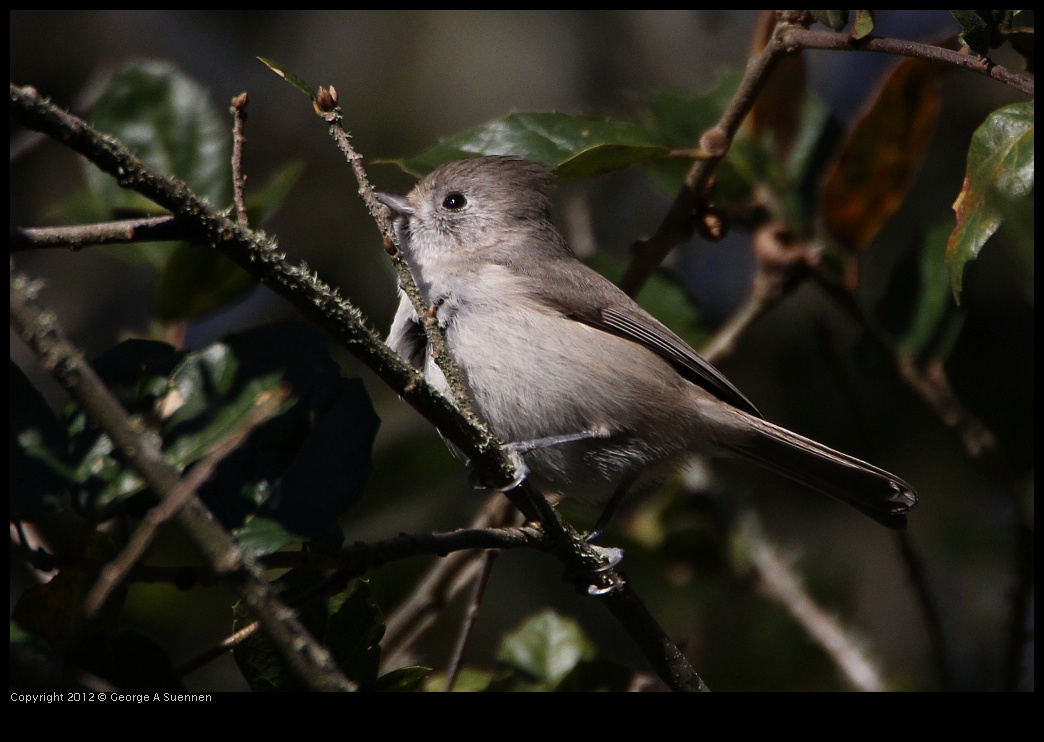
[778,580]
[77,237]
[470,617]
[804,38]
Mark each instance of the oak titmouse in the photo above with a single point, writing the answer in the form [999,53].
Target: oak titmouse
[604,399]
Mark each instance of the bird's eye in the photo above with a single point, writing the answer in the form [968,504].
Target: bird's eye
[454,201]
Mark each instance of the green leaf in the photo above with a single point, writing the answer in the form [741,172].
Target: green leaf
[936,322]
[864,24]
[998,186]
[402,680]
[294,474]
[835,19]
[260,535]
[168,120]
[547,647]
[289,76]
[469,680]
[348,624]
[576,146]
[679,120]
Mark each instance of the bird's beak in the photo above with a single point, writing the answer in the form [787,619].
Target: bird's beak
[398,204]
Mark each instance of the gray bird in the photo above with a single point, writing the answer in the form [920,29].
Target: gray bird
[604,400]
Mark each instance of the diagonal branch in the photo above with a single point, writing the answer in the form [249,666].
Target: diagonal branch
[309,661]
[677,226]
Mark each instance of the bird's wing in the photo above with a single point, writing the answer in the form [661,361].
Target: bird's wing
[588,297]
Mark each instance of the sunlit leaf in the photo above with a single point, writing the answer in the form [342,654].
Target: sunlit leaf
[576,146]
[289,76]
[882,154]
[998,185]
[547,647]
[863,25]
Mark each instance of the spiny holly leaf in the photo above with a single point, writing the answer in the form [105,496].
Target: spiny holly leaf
[576,146]
[998,186]
[303,462]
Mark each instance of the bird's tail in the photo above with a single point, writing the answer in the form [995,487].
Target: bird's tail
[883,496]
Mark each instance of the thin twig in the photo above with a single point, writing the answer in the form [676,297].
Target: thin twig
[354,561]
[77,237]
[40,330]
[218,650]
[428,319]
[778,580]
[437,589]
[932,619]
[239,116]
[803,38]
[486,561]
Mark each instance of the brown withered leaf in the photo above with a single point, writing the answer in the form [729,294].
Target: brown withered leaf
[881,156]
[778,105]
